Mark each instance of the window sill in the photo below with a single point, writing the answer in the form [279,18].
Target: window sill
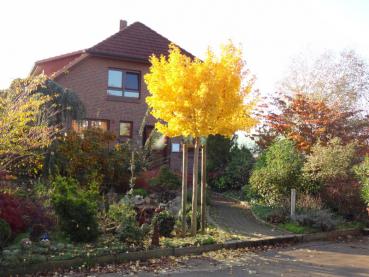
[123,99]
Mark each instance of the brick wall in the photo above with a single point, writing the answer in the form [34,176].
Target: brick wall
[89,79]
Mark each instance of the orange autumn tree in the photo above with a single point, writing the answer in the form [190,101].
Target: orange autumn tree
[194,98]
[307,121]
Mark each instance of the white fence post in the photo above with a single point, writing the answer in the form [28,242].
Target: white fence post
[293,203]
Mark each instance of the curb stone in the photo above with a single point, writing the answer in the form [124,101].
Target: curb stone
[165,252]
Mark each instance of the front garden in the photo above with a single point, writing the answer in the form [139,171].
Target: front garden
[62,218]
[67,194]
[330,174]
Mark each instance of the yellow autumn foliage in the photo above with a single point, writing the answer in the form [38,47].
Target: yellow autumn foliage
[190,97]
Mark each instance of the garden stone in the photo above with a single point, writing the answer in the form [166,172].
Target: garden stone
[60,246]
[6,252]
[147,200]
[15,252]
[174,205]
[138,200]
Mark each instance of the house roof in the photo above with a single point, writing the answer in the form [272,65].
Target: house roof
[136,42]
[52,65]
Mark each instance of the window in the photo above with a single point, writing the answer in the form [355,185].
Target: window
[123,83]
[125,129]
[176,147]
[81,125]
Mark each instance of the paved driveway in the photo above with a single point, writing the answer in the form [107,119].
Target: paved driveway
[230,216]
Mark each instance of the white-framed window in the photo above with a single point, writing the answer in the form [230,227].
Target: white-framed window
[176,147]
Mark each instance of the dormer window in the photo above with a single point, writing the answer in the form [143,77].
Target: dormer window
[123,83]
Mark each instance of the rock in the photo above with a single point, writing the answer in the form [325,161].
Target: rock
[6,252]
[60,246]
[15,252]
[147,200]
[138,200]
[174,205]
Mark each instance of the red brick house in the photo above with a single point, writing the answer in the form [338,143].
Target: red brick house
[108,79]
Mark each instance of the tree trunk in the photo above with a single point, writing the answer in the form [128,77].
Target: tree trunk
[184,186]
[203,188]
[194,187]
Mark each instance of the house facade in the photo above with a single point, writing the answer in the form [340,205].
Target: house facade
[108,78]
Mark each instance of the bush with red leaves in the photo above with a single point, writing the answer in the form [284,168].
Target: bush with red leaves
[22,213]
[343,196]
[11,211]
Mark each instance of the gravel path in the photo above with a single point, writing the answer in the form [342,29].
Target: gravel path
[232,217]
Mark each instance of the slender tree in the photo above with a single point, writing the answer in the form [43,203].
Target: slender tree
[194,98]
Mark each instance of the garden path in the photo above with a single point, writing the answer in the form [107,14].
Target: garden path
[231,216]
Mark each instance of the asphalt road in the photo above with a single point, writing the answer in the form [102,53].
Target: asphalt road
[345,258]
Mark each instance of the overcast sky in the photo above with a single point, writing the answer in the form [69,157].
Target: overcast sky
[270,32]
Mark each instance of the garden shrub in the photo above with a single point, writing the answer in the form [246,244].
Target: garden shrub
[89,157]
[221,184]
[362,173]
[277,215]
[5,232]
[271,214]
[323,220]
[166,179]
[278,170]
[11,211]
[248,194]
[292,227]
[236,172]
[140,191]
[122,212]
[326,164]
[218,156]
[76,210]
[205,240]
[306,202]
[166,222]
[21,212]
[343,197]
[131,233]
[239,167]
[330,167]
[124,217]
[188,217]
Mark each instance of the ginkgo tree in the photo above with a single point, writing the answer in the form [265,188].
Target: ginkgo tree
[194,99]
